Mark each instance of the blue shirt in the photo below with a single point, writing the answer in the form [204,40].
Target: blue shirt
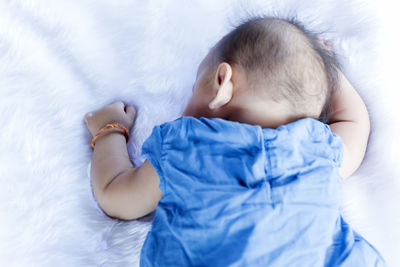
[236,194]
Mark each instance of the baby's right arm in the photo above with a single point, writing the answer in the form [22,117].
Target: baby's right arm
[350,121]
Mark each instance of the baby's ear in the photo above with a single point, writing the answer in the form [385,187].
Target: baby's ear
[223,86]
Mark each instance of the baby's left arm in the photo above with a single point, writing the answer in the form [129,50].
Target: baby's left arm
[350,120]
[122,191]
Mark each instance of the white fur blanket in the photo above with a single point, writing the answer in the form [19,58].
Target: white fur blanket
[61,59]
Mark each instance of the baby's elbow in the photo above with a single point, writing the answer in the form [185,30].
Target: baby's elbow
[353,154]
[113,214]
[115,210]
[121,218]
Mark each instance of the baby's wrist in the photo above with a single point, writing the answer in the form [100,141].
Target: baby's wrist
[108,132]
[105,134]
[109,129]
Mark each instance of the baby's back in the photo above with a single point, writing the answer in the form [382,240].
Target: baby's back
[235,194]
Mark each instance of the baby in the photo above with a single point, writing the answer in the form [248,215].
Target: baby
[251,174]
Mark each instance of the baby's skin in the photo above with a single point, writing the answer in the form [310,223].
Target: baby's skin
[126,192]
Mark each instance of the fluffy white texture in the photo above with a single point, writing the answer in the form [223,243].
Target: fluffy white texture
[61,59]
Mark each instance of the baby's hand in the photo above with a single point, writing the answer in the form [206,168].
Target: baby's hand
[114,113]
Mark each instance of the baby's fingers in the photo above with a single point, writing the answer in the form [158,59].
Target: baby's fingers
[119,105]
[131,112]
[88,116]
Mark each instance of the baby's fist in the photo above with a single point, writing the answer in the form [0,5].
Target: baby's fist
[114,113]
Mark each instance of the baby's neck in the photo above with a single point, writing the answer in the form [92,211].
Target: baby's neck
[253,110]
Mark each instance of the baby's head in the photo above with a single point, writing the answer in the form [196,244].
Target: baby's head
[268,72]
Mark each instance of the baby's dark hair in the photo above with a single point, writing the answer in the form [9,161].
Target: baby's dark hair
[285,61]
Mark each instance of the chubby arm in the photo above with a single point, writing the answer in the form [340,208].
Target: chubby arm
[350,121]
[122,191]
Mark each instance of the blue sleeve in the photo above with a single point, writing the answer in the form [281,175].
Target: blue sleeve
[152,149]
[328,144]
[337,145]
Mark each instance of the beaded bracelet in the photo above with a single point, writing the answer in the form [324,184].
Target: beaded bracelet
[109,126]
